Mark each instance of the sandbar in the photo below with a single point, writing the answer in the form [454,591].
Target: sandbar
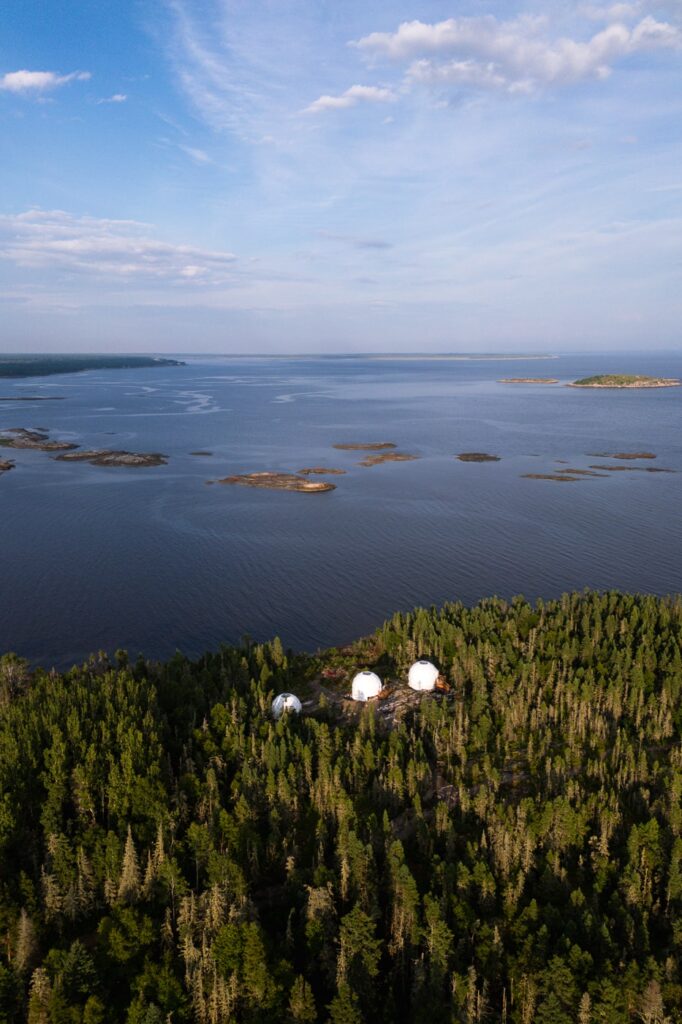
[529,380]
[371,446]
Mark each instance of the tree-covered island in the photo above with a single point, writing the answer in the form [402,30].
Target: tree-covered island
[625,380]
[507,851]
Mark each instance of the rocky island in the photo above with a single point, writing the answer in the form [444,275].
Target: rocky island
[477,457]
[6,465]
[105,457]
[35,440]
[321,471]
[625,380]
[279,482]
[379,458]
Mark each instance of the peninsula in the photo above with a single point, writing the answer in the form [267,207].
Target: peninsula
[625,380]
[47,365]
[524,819]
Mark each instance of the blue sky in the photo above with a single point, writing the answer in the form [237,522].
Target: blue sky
[308,175]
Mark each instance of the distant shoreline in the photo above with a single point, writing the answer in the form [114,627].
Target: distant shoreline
[17,367]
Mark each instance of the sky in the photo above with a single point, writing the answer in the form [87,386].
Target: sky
[291,176]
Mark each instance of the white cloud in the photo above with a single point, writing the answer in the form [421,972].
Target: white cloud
[38,81]
[113,249]
[351,97]
[462,72]
[118,97]
[513,55]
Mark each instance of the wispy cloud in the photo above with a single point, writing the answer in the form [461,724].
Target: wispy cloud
[357,241]
[112,249]
[118,97]
[515,55]
[35,82]
[351,97]
[199,156]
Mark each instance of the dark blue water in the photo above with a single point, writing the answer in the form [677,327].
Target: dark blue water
[153,560]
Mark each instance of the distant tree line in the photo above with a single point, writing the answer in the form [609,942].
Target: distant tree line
[509,852]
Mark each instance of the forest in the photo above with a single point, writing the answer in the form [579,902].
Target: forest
[508,851]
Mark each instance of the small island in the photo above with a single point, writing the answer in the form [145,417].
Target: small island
[204,454]
[621,455]
[105,457]
[529,380]
[377,460]
[559,477]
[34,440]
[625,380]
[633,469]
[321,471]
[477,457]
[6,465]
[279,482]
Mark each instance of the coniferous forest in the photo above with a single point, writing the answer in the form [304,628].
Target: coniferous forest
[508,851]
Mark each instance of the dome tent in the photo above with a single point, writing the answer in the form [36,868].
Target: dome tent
[422,676]
[366,685]
[285,702]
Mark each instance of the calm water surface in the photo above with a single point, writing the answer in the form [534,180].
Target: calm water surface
[154,560]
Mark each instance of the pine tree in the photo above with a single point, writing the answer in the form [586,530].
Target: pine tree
[129,882]
[40,996]
[344,1008]
[25,944]
[302,1002]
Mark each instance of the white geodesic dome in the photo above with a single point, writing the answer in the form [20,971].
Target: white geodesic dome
[422,676]
[365,686]
[285,702]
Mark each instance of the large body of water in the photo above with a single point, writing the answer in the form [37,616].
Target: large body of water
[153,560]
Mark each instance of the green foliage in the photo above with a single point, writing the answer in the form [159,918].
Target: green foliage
[510,850]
